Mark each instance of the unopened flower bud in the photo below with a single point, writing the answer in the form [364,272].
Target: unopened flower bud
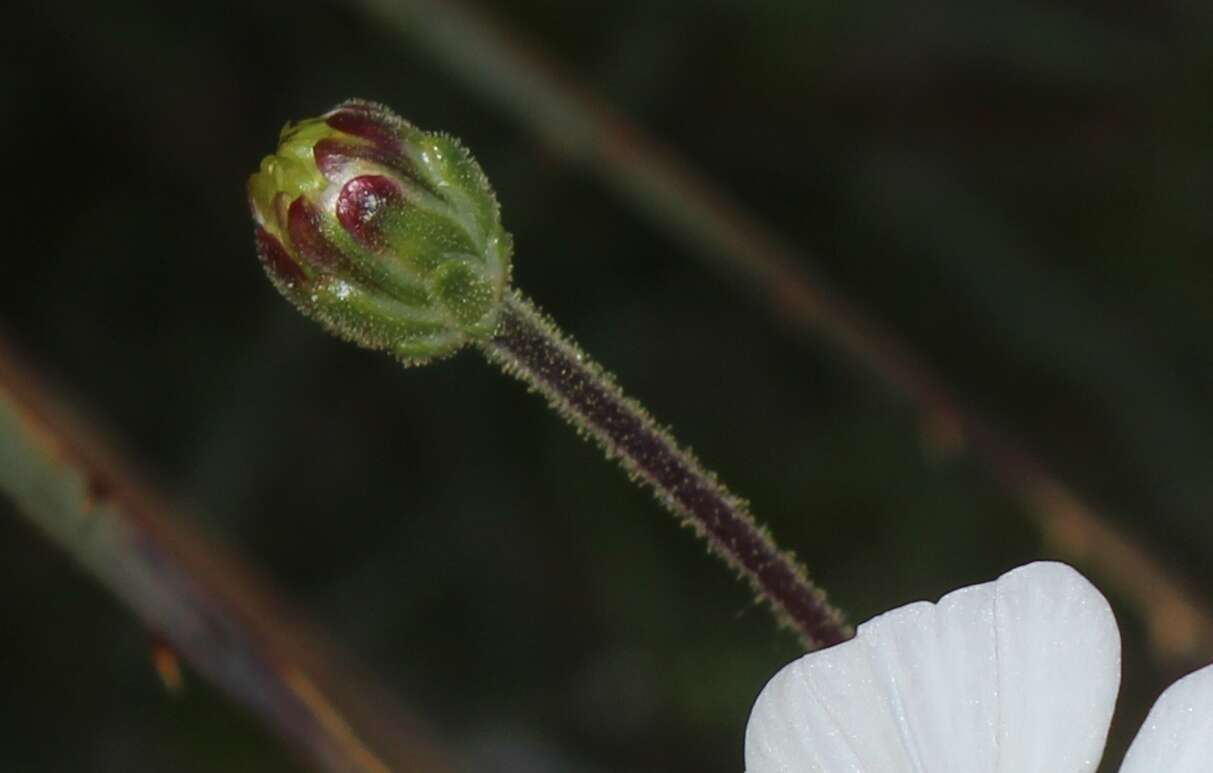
[388,235]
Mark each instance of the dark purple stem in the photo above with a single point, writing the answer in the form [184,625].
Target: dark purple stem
[530,347]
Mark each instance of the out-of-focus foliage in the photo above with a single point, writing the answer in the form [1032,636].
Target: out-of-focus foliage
[1022,189]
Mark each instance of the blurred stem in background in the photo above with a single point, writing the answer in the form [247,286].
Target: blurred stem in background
[521,82]
[199,600]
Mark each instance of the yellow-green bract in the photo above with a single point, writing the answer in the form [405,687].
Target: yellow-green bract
[389,236]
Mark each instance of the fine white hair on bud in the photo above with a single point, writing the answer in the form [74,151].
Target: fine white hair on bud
[388,235]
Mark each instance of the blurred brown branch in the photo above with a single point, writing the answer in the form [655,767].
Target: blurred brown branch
[520,81]
[191,593]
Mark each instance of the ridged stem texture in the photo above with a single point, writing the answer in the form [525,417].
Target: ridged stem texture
[528,346]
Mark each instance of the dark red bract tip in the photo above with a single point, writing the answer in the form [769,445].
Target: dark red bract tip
[364,122]
[276,259]
[362,204]
[332,154]
[303,226]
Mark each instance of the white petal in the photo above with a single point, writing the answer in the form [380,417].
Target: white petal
[1014,676]
[1178,734]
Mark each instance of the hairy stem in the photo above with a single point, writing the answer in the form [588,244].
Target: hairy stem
[522,81]
[528,346]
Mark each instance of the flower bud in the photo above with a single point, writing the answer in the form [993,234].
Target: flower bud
[389,236]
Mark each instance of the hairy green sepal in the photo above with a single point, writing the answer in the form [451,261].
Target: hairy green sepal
[389,236]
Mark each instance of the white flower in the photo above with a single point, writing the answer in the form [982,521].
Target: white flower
[1018,675]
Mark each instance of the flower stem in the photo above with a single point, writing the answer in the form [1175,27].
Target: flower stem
[529,346]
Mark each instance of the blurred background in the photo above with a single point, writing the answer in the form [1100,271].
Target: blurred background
[1018,188]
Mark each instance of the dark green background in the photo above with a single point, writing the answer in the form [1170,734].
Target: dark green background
[1020,189]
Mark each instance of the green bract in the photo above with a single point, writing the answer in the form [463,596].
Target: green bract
[388,235]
